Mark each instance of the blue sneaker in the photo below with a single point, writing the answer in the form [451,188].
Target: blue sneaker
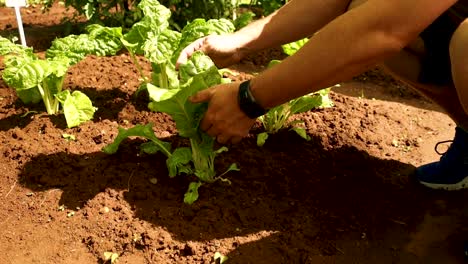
[451,172]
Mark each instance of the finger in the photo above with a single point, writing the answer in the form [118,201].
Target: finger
[202,96]
[185,55]
[212,131]
[188,51]
[206,123]
[182,59]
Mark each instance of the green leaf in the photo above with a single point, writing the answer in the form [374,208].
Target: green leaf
[261,139]
[273,63]
[68,136]
[159,47]
[175,102]
[8,47]
[192,193]
[137,35]
[155,21]
[243,20]
[165,75]
[293,47]
[221,150]
[157,94]
[200,28]
[178,162]
[100,41]
[233,167]
[308,102]
[106,40]
[158,13]
[25,73]
[152,148]
[29,96]
[145,131]
[276,118]
[77,107]
[72,46]
[198,63]
[89,10]
[111,256]
[220,257]
[31,76]
[301,132]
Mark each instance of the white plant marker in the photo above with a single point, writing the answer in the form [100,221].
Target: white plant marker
[17,4]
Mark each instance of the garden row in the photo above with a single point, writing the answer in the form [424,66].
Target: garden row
[36,79]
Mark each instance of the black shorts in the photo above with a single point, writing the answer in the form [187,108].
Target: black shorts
[436,67]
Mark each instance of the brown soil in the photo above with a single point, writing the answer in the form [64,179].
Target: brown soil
[346,196]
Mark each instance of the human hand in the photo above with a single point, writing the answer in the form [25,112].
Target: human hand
[223,119]
[224,50]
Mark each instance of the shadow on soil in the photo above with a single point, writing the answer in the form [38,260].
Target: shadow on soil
[39,37]
[308,196]
[109,105]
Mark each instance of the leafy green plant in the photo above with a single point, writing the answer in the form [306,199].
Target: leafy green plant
[153,38]
[9,47]
[38,80]
[197,159]
[293,47]
[98,40]
[169,90]
[244,19]
[279,117]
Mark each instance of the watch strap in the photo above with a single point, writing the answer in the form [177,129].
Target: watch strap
[247,102]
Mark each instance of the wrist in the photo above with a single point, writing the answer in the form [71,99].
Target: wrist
[247,102]
[244,43]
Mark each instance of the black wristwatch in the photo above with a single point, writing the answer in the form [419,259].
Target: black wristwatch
[247,102]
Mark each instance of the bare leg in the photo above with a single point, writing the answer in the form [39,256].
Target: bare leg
[406,67]
[459,59]
[451,172]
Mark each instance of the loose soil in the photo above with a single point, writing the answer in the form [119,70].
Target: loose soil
[346,196]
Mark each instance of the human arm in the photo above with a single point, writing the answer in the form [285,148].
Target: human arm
[295,20]
[291,22]
[347,46]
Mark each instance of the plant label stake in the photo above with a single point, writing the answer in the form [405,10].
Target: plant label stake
[17,4]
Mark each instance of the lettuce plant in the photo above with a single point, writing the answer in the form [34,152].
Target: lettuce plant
[278,117]
[199,158]
[169,90]
[38,80]
[9,47]
[153,38]
[99,40]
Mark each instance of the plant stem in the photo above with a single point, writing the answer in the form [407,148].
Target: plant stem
[138,66]
[47,100]
[163,80]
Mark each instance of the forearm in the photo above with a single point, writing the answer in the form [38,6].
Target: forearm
[295,20]
[344,48]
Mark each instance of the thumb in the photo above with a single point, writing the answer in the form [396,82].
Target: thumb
[202,96]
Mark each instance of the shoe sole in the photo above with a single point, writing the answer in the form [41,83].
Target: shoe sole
[447,187]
